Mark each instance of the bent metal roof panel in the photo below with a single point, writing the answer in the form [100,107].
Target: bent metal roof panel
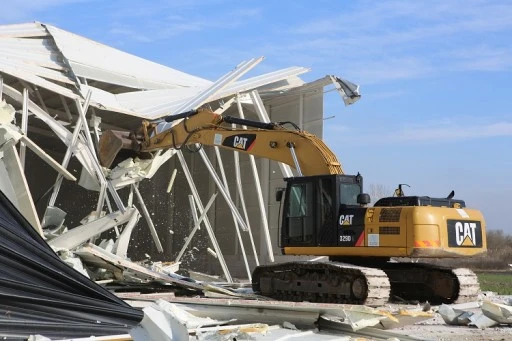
[71,65]
[41,294]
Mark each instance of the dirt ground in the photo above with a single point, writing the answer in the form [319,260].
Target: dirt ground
[436,329]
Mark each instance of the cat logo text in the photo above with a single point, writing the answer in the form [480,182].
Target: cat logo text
[240,142]
[346,219]
[464,233]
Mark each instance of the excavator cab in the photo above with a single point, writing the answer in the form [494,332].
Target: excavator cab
[316,207]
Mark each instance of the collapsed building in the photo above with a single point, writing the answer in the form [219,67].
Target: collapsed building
[58,93]
[133,225]
[62,90]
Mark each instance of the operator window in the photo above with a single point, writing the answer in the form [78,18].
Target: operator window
[349,193]
[299,215]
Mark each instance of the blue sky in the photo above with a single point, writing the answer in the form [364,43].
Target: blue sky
[435,76]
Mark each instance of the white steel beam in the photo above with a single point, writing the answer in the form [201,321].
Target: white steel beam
[223,107]
[261,201]
[209,229]
[47,158]
[216,87]
[238,179]
[263,115]
[66,108]
[96,164]
[240,241]
[25,203]
[145,212]
[92,149]
[83,233]
[80,151]
[171,181]
[121,244]
[24,126]
[69,152]
[197,222]
[262,80]
[222,190]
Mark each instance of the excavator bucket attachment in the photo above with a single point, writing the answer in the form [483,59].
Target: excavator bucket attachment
[111,143]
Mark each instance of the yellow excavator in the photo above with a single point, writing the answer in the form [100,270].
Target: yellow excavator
[325,213]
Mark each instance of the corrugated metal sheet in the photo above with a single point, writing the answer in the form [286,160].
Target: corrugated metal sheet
[40,294]
[34,29]
[51,58]
[38,81]
[154,104]
[28,52]
[96,61]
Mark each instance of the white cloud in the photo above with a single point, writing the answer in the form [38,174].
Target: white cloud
[447,131]
[459,132]
[481,57]
[163,20]
[429,36]
[432,132]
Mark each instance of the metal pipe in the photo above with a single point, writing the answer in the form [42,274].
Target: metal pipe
[250,123]
[294,156]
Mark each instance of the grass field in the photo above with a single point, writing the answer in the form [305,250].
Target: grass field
[499,282]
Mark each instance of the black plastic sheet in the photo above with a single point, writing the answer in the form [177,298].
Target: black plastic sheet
[40,294]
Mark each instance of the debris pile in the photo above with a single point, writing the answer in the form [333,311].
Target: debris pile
[482,315]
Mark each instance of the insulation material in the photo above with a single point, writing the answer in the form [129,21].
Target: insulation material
[40,294]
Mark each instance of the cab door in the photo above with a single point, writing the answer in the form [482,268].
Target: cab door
[298,228]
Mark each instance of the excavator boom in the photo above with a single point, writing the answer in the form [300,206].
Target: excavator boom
[207,128]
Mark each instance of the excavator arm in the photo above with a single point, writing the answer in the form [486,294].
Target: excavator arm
[268,140]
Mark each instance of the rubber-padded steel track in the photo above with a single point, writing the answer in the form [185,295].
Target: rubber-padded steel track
[436,284]
[322,282]
[334,282]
